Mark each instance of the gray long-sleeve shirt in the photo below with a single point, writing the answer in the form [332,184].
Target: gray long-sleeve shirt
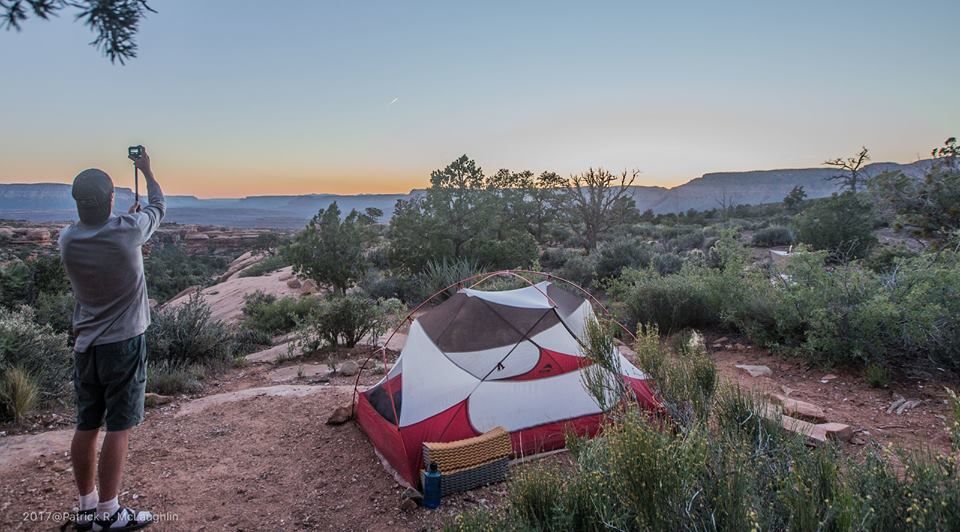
[105,267]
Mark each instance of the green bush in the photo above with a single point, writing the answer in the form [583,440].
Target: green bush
[667,263]
[580,269]
[518,249]
[169,270]
[267,265]
[345,320]
[55,310]
[841,225]
[620,254]
[404,288]
[673,303]
[187,335]
[37,350]
[272,315]
[172,379]
[773,236]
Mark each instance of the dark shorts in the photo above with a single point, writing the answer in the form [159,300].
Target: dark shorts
[110,380]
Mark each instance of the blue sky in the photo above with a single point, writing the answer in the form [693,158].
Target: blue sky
[242,97]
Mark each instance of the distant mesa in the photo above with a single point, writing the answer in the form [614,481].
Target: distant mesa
[52,201]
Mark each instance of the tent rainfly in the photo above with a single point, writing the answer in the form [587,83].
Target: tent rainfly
[486,359]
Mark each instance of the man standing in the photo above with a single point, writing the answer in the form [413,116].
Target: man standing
[102,256]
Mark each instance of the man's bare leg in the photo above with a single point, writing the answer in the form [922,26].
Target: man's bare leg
[112,457]
[83,455]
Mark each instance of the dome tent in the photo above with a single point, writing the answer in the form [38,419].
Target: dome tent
[484,359]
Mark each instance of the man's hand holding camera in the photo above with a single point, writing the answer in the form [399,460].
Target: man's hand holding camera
[141,160]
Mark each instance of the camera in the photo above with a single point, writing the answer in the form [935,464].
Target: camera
[135,152]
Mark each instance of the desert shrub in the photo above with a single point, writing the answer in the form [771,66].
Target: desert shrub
[272,315]
[876,375]
[18,393]
[248,340]
[673,303]
[55,310]
[841,225]
[773,236]
[883,258]
[580,269]
[173,379]
[21,282]
[266,265]
[516,250]
[620,254]
[16,285]
[404,288]
[36,350]
[953,422]
[187,335]
[667,263]
[169,270]
[686,241]
[555,258]
[441,274]
[345,320]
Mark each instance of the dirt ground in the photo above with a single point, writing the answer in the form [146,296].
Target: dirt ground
[847,398]
[266,459]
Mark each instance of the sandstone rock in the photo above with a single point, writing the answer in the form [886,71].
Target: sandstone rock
[799,409]
[287,276]
[816,434]
[294,283]
[348,368]
[309,287]
[153,399]
[196,236]
[38,235]
[152,302]
[827,378]
[340,415]
[755,371]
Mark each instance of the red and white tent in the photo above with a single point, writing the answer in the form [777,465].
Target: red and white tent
[485,359]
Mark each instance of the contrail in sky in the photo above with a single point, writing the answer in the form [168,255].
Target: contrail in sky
[394,101]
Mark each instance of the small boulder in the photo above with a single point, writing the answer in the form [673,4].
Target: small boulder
[340,415]
[755,371]
[154,399]
[348,368]
[294,283]
[308,287]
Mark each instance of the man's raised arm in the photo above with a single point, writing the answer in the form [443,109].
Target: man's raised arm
[150,216]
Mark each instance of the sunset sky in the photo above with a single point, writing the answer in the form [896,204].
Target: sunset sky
[238,98]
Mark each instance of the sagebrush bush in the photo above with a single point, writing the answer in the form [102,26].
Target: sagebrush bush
[37,350]
[171,379]
[580,269]
[273,315]
[620,254]
[773,236]
[188,335]
[18,393]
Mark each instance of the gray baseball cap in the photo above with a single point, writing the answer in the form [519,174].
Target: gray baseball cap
[92,189]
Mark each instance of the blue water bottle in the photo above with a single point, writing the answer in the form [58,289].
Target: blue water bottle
[431,487]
